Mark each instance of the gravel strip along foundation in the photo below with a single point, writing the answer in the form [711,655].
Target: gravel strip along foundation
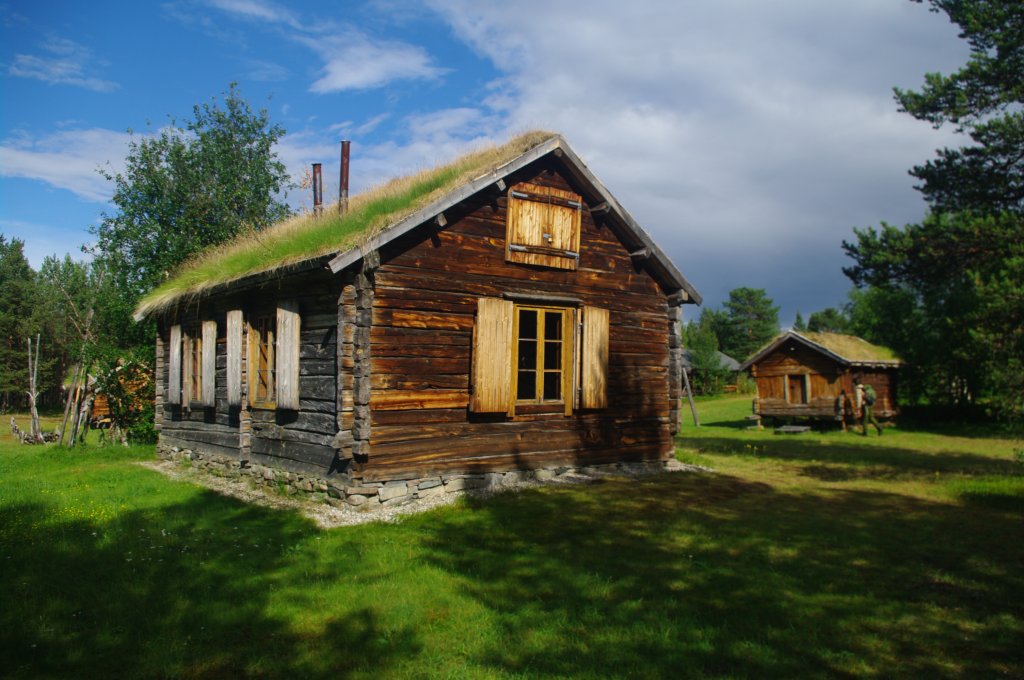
[328,516]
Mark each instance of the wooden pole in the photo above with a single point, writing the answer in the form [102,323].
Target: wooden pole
[689,396]
[35,434]
[72,394]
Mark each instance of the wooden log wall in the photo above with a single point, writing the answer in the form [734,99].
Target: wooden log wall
[823,377]
[160,368]
[190,424]
[425,298]
[299,440]
[675,367]
[346,356]
[883,380]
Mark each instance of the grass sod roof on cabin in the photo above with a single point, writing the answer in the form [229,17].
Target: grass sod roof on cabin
[385,212]
[848,350]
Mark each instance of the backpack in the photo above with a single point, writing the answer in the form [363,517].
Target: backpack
[869,395]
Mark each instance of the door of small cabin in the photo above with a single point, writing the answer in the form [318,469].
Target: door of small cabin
[797,392]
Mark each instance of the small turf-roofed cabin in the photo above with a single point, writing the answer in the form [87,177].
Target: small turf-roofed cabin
[500,313]
[811,375]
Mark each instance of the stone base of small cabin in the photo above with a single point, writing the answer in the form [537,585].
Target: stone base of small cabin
[367,496]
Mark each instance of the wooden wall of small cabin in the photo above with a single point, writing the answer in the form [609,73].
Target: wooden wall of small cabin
[425,299]
[301,440]
[883,380]
[190,425]
[820,382]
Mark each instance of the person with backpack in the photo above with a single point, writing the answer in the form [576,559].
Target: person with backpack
[866,398]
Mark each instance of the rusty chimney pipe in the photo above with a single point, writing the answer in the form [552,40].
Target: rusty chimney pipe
[343,180]
[318,190]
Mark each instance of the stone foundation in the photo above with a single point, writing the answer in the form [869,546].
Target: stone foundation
[368,496]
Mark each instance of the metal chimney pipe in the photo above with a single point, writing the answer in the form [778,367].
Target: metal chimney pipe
[318,190]
[343,180]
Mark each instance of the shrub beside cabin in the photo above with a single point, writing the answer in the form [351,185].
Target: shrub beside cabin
[508,315]
[810,375]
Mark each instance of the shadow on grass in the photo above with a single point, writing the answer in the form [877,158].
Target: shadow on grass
[890,460]
[696,576]
[182,591]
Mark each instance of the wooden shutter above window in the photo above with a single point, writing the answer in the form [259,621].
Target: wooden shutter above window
[492,356]
[234,357]
[174,366]
[288,337]
[595,358]
[543,226]
[209,373]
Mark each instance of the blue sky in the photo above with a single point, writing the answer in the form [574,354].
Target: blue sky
[747,137]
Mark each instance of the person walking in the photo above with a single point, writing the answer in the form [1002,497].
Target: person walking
[866,398]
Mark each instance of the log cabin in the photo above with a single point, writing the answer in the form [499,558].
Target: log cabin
[811,375]
[502,314]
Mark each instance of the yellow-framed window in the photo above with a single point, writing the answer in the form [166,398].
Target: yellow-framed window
[543,344]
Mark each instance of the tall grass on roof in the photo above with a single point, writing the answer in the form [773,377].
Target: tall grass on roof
[308,236]
[851,347]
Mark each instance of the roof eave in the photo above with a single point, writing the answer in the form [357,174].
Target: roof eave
[249,280]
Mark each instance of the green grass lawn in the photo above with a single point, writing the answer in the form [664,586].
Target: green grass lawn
[821,555]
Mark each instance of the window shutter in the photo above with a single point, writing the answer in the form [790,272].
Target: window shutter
[595,357]
[287,368]
[568,365]
[174,367]
[234,365]
[543,226]
[492,356]
[209,386]
[186,367]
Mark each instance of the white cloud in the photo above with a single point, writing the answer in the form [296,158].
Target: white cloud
[67,159]
[256,9]
[354,61]
[267,71]
[745,137]
[350,128]
[64,63]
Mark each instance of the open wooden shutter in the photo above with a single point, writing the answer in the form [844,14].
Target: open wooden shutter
[174,366]
[234,365]
[595,358]
[287,359]
[543,226]
[492,356]
[568,365]
[209,386]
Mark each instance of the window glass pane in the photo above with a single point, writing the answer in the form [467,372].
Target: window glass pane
[527,323]
[527,354]
[552,384]
[527,385]
[553,355]
[553,326]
